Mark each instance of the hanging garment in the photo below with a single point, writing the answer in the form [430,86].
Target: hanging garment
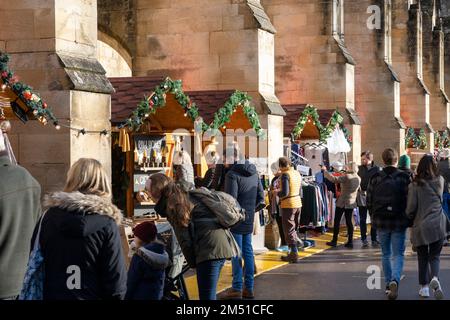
[309,208]
[315,158]
[337,142]
[337,157]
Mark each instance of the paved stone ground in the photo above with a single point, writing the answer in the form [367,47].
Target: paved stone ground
[341,274]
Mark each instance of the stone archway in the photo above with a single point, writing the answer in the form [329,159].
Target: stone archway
[113,56]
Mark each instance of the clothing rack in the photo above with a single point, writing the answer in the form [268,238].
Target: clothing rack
[313,144]
[301,157]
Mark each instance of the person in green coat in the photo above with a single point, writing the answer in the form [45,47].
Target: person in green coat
[20,208]
[204,242]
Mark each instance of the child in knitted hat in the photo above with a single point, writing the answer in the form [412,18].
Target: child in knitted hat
[146,274]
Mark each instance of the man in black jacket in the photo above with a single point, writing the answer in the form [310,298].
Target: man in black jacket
[243,183]
[365,171]
[387,195]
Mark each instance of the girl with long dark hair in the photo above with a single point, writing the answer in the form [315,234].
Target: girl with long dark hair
[204,242]
[429,226]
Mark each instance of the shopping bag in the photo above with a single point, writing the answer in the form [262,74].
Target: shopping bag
[33,284]
[272,235]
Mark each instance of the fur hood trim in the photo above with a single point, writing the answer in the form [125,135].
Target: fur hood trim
[89,203]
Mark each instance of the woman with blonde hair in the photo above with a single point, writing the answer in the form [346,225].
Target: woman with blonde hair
[79,238]
[204,242]
[346,202]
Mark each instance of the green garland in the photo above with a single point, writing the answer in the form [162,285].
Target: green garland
[338,119]
[412,140]
[157,100]
[310,112]
[441,140]
[324,132]
[445,139]
[223,115]
[25,93]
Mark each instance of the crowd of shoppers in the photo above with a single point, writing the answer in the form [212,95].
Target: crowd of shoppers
[77,231]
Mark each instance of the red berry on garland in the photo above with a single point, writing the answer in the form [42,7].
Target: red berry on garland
[44,105]
[27,95]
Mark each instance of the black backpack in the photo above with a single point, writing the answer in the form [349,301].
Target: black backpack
[388,198]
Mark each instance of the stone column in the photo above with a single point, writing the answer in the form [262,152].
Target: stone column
[433,67]
[313,64]
[377,84]
[212,45]
[52,48]
[446,29]
[406,59]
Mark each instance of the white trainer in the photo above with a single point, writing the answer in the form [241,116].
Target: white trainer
[435,285]
[424,292]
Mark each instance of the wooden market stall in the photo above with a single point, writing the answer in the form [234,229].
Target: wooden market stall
[416,144]
[146,112]
[307,126]
[149,132]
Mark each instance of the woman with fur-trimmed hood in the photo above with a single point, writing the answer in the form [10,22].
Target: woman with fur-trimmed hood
[80,239]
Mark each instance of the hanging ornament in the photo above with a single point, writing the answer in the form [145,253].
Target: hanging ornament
[5,126]
[27,95]
[35,98]
[13,79]
[44,105]
[43,120]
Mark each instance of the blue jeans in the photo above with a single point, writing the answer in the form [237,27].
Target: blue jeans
[244,242]
[393,251]
[208,273]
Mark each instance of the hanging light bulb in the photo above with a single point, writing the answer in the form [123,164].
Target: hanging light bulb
[185,114]
[57,126]
[35,112]
[147,115]
[3,87]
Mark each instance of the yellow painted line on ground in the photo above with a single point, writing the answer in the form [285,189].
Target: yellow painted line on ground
[268,261]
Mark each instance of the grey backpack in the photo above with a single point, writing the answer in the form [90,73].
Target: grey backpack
[225,207]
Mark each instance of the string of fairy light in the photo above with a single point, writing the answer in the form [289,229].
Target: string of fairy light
[144,109]
[31,100]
